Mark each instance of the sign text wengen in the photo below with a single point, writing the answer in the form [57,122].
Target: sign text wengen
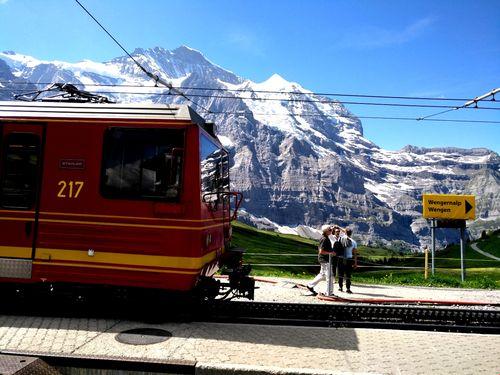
[448,206]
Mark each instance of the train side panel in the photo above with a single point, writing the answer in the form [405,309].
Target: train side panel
[115,195]
[85,236]
[75,234]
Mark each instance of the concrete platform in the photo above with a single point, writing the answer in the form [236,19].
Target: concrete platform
[22,365]
[233,349]
[289,290]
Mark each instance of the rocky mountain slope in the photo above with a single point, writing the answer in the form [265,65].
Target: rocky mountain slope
[299,160]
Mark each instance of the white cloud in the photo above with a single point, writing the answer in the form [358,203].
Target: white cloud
[374,37]
[3,1]
[246,41]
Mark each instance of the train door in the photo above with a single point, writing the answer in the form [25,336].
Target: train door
[226,198]
[20,172]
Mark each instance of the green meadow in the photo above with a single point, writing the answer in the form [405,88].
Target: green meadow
[282,255]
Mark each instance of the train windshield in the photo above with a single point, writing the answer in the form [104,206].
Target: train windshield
[143,163]
[214,169]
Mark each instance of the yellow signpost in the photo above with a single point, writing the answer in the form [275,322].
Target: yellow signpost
[449,206]
[449,211]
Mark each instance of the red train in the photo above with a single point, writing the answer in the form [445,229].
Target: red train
[124,195]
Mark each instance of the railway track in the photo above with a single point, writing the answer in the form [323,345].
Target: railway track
[344,314]
[425,318]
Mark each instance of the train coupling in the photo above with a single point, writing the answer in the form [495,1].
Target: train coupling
[240,282]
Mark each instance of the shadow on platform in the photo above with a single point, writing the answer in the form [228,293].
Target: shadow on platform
[298,337]
[179,317]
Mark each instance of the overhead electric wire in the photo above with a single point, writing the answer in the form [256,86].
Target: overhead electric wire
[156,78]
[335,102]
[354,117]
[365,117]
[255,91]
[437,114]
[430,120]
[290,100]
[466,105]
[112,37]
[308,114]
[323,94]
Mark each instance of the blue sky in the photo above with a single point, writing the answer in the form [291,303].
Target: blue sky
[445,49]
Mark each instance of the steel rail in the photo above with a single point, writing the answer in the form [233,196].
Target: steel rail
[424,318]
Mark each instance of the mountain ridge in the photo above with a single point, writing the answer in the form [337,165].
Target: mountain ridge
[299,159]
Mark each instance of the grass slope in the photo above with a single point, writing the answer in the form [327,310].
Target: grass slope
[491,244]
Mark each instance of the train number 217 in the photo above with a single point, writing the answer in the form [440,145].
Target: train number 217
[69,189]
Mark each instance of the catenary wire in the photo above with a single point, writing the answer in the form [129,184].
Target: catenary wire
[303,100]
[359,117]
[113,38]
[353,117]
[257,91]
[311,101]
[466,105]
[149,74]
[291,100]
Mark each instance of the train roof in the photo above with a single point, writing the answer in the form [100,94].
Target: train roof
[29,109]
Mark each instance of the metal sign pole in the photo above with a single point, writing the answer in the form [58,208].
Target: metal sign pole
[462,253]
[433,246]
[426,263]
[329,286]
[450,211]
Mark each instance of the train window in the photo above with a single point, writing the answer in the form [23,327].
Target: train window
[20,171]
[142,163]
[214,169]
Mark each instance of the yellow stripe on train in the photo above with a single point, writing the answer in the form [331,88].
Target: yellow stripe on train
[97,266]
[15,252]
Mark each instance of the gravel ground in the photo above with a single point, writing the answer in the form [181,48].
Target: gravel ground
[290,290]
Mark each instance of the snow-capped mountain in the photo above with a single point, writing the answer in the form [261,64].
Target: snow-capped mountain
[300,160]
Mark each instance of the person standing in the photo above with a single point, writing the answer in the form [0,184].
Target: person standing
[338,247]
[324,251]
[337,242]
[347,261]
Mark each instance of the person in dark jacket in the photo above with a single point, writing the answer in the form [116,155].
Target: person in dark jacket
[324,250]
[347,260]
